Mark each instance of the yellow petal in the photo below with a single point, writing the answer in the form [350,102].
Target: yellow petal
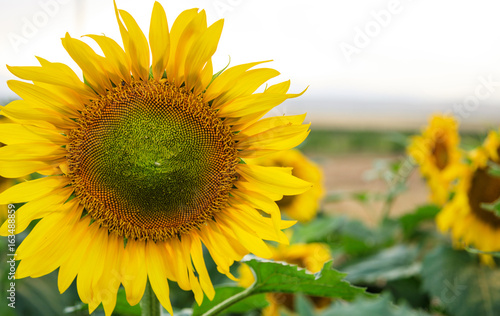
[262,203]
[41,251]
[200,52]
[17,169]
[134,271]
[252,104]
[80,240]
[253,186]
[180,24]
[19,134]
[23,112]
[157,275]
[205,78]
[33,151]
[278,138]
[245,85]
[75,101]
[106,289]
[181,264]
[89,62]
[201,268]
[193,280]
[33,189]
[135,43]
[271,122]
[53,73]
[37,209]
[92,263]
[246,237]
[274,179]
[159,40]
[115,57]
[250,219]
[39,97]
[227,79]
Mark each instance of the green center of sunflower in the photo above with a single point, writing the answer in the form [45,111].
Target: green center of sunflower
[484,188]
[151,161]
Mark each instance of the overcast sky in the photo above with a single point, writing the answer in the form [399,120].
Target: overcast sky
[421,55]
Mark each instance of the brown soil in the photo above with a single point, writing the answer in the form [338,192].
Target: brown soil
[349,174]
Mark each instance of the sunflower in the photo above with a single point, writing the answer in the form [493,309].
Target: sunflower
[4,184]
[469,222]
[302,207]
[145,161]
[436,152]
[311,256]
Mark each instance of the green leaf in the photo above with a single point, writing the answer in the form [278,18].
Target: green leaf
[409,290]
[394,263]
[281,277]
[347,235]
[381,306]
[494,169]
[463,286]
[411,221]
[303,306]
[224,292]
[492,207]
[318,230]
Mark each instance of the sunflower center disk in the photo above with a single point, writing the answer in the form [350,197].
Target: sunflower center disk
[440,154]
[485,188]
[152,161]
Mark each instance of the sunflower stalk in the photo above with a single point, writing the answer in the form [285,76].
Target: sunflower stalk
[217,309]
[150,305]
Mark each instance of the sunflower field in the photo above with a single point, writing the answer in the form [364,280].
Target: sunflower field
[145,181]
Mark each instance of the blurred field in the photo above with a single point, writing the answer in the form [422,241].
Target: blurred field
[350,160]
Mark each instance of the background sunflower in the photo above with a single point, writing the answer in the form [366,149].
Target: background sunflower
[437,153]
[466,216]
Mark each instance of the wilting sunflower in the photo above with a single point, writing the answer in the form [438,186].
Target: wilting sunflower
[302,207]
[465,215]
[311,256]
[146,161]
[436,152]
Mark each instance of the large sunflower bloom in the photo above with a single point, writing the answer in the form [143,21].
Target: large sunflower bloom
[464,215]
[436,152]
[311,256]
[146,161]
[302,207]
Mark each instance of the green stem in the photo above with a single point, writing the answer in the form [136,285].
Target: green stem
[230,301]
[150,305]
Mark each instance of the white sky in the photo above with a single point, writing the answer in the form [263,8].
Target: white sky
[421,55]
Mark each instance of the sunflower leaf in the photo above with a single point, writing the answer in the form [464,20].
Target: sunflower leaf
[411,221]
[394,263]
[281,277]
[494,169]
[381,306]
[461,283]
